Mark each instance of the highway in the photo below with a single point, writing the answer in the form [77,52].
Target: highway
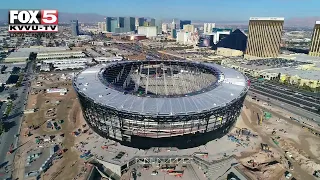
[294,98]
[14,122]
[296,95]
[275,95]
[288,107]
[312,97]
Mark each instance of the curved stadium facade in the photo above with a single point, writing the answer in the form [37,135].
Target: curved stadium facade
[171,103]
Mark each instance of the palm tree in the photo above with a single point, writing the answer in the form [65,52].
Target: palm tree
[310,85]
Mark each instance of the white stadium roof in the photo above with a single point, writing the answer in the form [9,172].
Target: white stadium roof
[233,85]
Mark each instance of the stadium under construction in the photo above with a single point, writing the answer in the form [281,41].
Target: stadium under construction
[159,103]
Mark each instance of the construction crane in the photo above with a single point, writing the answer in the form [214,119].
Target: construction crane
[260,119]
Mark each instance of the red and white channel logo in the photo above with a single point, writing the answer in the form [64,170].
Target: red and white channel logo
[33,21]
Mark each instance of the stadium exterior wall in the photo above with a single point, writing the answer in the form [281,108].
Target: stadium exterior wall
[198,129]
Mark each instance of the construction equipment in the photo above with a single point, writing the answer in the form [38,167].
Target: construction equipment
[11,149]
[260,119]
[275,141]
[245,131]
[265,147]
[104,147]
[176,173]
[267,115]
[204,154]
[167,168]
[153,173]
[252,163]
[107,146]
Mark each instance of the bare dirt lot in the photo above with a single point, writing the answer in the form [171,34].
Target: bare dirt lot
[65,113]
[287,142]
[287,139]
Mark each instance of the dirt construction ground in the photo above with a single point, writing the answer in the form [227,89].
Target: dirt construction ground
[303,146]
[67,109]
[295,144]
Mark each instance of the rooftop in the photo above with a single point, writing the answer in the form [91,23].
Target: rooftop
[267,18]
[304,74]
[23,54]
[302,58]
[136,35]
[4,78]
[232,85]
[72,60]
[60,52]
[266,64]
[37,164]
[42,49]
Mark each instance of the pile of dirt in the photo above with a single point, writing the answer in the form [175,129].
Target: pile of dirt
[300,156]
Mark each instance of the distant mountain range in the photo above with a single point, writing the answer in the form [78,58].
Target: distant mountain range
[92,17]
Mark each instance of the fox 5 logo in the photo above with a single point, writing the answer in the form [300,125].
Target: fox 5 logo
[44,17]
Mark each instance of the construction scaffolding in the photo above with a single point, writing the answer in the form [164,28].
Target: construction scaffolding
[163,79]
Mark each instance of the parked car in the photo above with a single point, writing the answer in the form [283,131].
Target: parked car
[288,175]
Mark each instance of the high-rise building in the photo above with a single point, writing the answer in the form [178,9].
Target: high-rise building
[108,24]
[188,28]
[315,42]
[159,26]
[102,26]
[165,27]
[112,24]
[74,27]
[152,22]
[173,25]
[219,34]
[149,31]
[196,30]
[207,27]
[174,33]
[141,21]
[184,22]
[121,22]
[129,24]
[187,38]
[264,37]
[119,30]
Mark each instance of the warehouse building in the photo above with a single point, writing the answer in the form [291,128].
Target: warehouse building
[4,79]
[63,64]
[37,49]
[60,55]
[17,57]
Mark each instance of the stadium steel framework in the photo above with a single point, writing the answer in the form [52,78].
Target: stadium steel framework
[171,103]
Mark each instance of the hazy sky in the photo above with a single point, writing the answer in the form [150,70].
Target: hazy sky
[216,10]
